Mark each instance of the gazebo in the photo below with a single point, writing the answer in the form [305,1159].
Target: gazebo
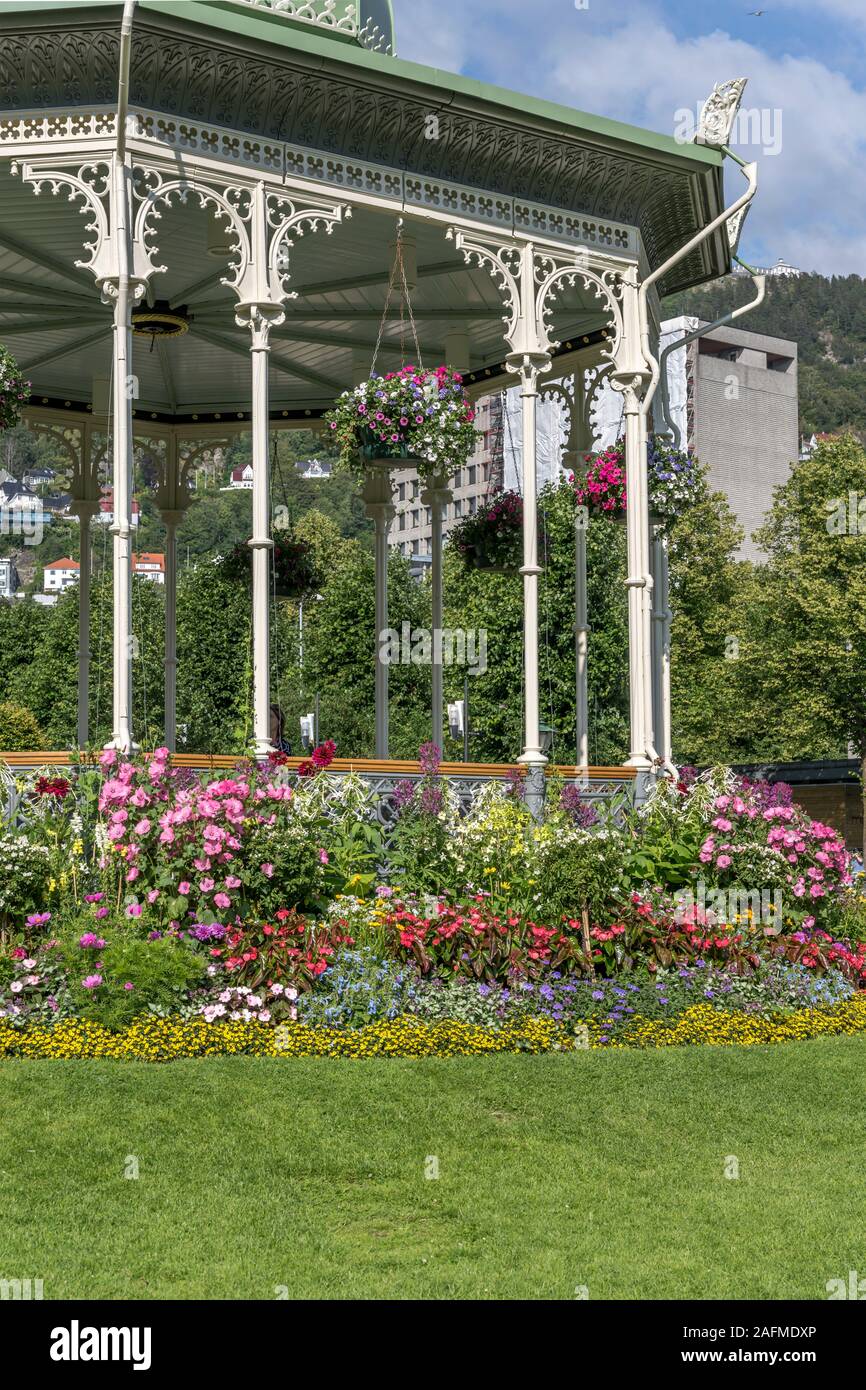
[199,205]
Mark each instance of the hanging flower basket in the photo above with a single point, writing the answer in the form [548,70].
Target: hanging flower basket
[492,539]
[672,481]
[411,418]
[14,391]
[293,574]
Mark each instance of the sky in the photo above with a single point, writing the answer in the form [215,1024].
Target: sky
[648,62]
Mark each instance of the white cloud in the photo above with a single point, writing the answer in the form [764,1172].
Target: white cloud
[811,204]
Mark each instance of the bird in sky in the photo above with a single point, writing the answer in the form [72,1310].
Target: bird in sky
[757,13]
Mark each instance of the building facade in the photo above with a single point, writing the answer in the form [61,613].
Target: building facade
[9,581]
[411,531]
[59,575]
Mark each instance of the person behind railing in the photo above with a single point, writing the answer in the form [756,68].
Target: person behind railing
[278,730]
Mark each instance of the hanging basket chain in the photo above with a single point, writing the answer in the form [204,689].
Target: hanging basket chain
[398,269]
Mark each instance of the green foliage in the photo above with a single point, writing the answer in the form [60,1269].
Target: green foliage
[214,678]
[161,974]
[19,731]
[478,600]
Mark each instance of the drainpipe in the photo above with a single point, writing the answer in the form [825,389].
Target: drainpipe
[750,173]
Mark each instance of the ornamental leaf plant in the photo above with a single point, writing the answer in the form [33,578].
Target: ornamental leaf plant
[14,390]
[425,416]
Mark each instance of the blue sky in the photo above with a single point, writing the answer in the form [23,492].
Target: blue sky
[644,61]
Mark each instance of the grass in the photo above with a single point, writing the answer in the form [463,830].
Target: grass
[598,1169]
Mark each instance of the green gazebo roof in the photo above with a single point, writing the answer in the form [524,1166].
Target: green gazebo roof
[294,74]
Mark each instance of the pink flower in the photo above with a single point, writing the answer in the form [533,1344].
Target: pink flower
[142,827]
[91,982]
[134,910]
[183,888]
[152,896]
[323,856]
[129,985]
[232,881]
[222,900]
[268,870]
[206,885]
[723,861]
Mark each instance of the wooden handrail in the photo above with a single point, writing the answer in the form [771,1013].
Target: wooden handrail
[219,761]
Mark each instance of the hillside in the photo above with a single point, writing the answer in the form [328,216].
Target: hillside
[825,317]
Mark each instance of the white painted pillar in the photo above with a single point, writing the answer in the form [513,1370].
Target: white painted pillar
[121,529]
[630,376]
[436,497]
[171,520]
[380,509]
[261,541]
[661,649]
[581,638]
[532,756]
[85,510]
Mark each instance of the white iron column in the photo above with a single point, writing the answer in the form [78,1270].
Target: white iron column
[122,394]
[380,509]
[661,619]
[85,510]
[171,520]
[173,499]
[630,376]
[436,497]
[532,756]
[261,541]
[581,637]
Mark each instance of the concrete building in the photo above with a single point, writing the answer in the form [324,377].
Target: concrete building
[411,529]
[733,397]
[739,414]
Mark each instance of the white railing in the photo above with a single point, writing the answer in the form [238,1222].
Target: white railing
[325,14]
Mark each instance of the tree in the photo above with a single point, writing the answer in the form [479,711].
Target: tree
[806,651]
[481,602]
[708,595]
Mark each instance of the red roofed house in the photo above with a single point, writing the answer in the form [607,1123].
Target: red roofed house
[59,575]
[149,565]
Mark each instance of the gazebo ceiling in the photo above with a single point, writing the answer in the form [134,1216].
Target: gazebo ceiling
[52,318]
[245,66]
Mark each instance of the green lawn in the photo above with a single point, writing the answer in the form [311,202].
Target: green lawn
[597,1169]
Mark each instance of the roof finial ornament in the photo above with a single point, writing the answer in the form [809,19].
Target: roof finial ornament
[718,113]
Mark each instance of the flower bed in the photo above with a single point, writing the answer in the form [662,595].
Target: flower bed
[135,893]
[165,1040]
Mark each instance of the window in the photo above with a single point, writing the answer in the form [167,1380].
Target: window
[472,473]
[775,363]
